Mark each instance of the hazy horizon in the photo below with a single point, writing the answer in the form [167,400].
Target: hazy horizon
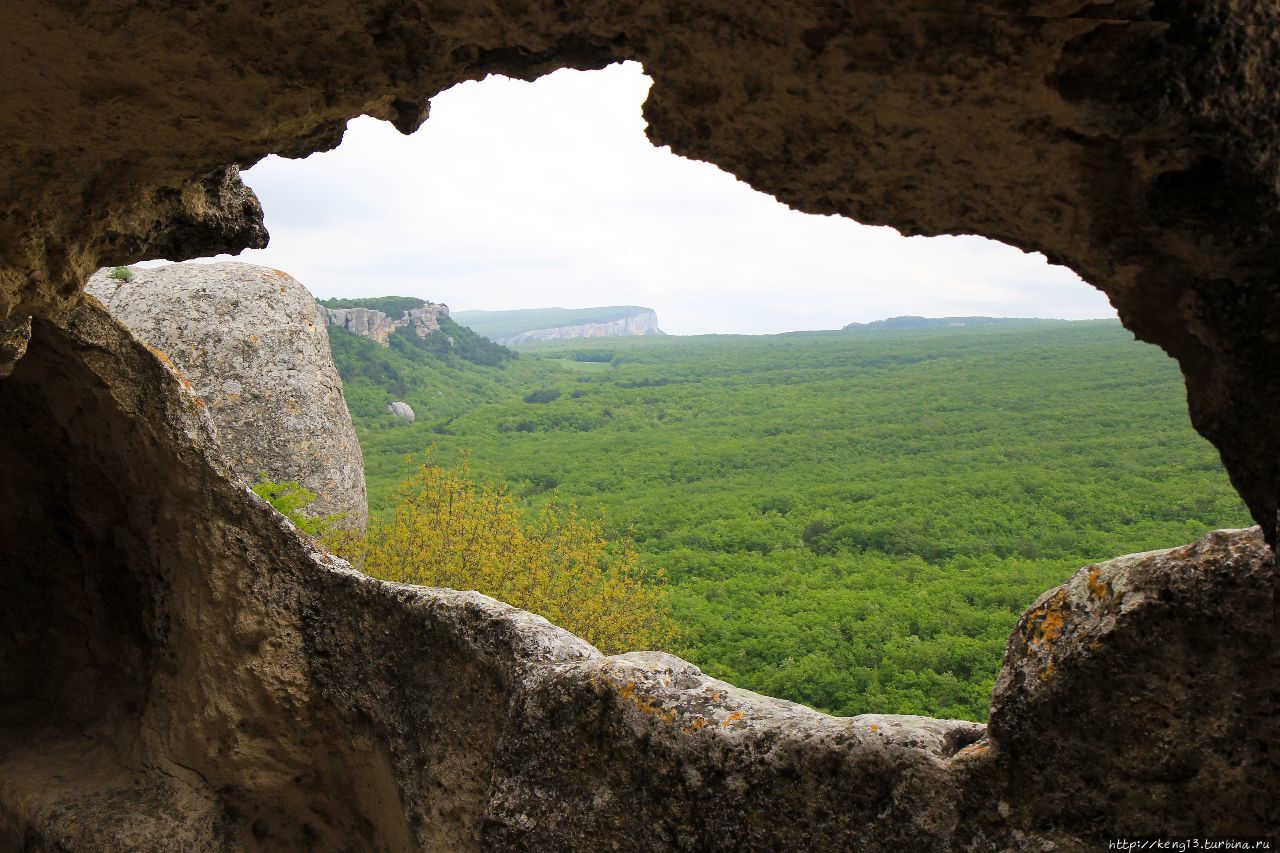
[531,195]
[453,311]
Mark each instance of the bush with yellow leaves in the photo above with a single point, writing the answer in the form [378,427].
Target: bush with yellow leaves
[450,531]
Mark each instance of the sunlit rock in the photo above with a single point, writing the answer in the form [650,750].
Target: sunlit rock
[374,324]
[248,341]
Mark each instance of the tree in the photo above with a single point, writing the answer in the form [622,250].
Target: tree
[449,531]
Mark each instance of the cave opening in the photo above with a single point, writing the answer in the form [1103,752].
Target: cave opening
[289,703]
[528,192]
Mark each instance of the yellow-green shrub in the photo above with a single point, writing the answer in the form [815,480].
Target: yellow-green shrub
[449,531]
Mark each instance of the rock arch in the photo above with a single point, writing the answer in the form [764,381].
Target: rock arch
[1133,141]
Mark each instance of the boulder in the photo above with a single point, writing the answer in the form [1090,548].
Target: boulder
[249,342]
[1142,696]
[401,410]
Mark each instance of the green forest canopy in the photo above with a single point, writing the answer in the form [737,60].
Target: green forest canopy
[853,521]
[393,306]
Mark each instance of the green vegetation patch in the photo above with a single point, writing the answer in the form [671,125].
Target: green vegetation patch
[393,306]
[851,521]
[452,342]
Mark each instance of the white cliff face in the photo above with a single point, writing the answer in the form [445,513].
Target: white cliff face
[370,323]
[641,324]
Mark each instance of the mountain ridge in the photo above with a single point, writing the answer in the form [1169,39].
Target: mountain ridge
[528,325]
[914,321]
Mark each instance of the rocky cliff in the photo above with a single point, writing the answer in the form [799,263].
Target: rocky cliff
[641,324]
[249,342]
[372,323]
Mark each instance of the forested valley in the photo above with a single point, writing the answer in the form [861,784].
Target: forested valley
[853,520]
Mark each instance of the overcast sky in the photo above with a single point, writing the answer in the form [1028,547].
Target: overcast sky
[529,195]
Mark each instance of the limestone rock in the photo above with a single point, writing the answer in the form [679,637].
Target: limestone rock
[1142,695]
[15,334]
[179,670]
[401,410]
[641,324]
[374,324]
[248,340]
[365,322]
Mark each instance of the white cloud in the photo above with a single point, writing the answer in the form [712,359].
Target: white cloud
[523,195]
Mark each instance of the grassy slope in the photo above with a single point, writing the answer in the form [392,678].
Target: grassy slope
[500,325]
[850,520]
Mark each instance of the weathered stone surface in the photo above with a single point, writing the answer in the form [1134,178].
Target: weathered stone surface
[207,680]
[640,324]
[401,410]
[370,323]
[643,752]
[365,322]
[1143,696]
[1133,140]
[15,334]
[248,340]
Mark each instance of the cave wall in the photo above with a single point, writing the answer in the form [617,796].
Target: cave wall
[1133,140]
[151,673]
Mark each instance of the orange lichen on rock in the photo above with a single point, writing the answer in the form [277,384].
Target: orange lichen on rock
[1045,623]
[173,368]
[1098,588]
[972,751]
[643,703]
[698,723]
